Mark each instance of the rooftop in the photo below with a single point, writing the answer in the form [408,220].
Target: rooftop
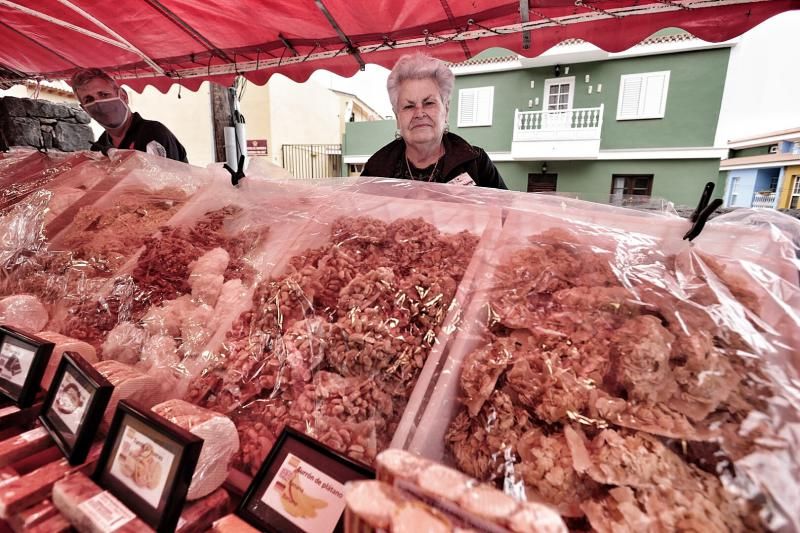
[756,161]
[766,138]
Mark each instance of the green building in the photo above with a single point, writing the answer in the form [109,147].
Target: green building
[605,126]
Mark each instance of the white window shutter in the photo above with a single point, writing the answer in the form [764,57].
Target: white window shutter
[629,97]
[485,106]
[467,103]
[642,96]
[654,93]
[475,107]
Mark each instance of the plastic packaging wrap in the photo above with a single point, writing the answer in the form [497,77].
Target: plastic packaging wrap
[22,231]
[337,337]
[129,383]
[81,185]
[497,198]
[63,344]
[624,376]
[19,177]
[455,499]
[367,312]
[220,443]
[374,506]
[78,278]
[156,173]
[107,233]
[196,275]
[97,233]
[23,311]
[31,205]
[12,158]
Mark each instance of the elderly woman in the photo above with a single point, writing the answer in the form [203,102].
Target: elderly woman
[419,88]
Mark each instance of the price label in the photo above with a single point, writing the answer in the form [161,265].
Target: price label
[106,512]
[462,179]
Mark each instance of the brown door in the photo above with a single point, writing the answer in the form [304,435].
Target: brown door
[542,182]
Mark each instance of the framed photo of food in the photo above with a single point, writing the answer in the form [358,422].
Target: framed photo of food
[147,462]
[75,405]
[300,487]
[23,359]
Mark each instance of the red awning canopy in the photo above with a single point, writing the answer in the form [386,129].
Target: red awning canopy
[161,42]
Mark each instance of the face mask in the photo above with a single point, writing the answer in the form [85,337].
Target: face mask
[110,113]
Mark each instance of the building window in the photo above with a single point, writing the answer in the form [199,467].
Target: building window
[475,107]
[794,203]
[542,182]
[642,96]
[773,184]
[631,184]
[558,93]
[733,192]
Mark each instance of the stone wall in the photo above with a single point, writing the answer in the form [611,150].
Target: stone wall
[42,124]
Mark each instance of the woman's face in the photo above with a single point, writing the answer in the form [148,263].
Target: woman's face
[421,114]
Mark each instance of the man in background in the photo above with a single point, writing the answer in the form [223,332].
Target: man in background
[103,99]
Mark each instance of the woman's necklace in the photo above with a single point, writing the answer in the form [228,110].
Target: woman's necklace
[430,177]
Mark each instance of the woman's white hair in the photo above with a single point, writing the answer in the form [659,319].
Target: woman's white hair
[420,66]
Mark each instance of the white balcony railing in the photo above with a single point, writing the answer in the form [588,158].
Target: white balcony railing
[568,134]
[570,124]
[764,200]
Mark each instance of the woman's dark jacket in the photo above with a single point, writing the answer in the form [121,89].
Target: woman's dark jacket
[459,157]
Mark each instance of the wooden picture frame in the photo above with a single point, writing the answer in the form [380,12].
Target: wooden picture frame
[75,405]
[299,464]
[147,462]
[23,360]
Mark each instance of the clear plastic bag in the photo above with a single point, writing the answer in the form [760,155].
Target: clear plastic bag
[220,442]
[535,342]
[412,491]
[353,316]
[28,172]
[625,376]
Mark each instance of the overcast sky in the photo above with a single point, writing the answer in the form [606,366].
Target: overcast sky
[369,85]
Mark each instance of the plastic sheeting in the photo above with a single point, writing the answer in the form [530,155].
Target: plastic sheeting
[575,353]
[194,41]
[416,494]
[337,336]
[627,377]
[220,442]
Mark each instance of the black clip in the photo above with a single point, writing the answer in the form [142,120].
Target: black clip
[704,199]
[238,174]
[703,211]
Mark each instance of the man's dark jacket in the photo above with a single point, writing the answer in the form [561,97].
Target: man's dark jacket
[140,133]
[459,157]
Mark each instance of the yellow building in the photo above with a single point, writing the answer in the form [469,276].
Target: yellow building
[790,192]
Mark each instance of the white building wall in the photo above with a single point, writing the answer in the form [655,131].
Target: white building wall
[302,113]
[282,111]
[188,117]
[761,89]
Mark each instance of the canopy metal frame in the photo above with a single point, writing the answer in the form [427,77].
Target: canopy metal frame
[531,17]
